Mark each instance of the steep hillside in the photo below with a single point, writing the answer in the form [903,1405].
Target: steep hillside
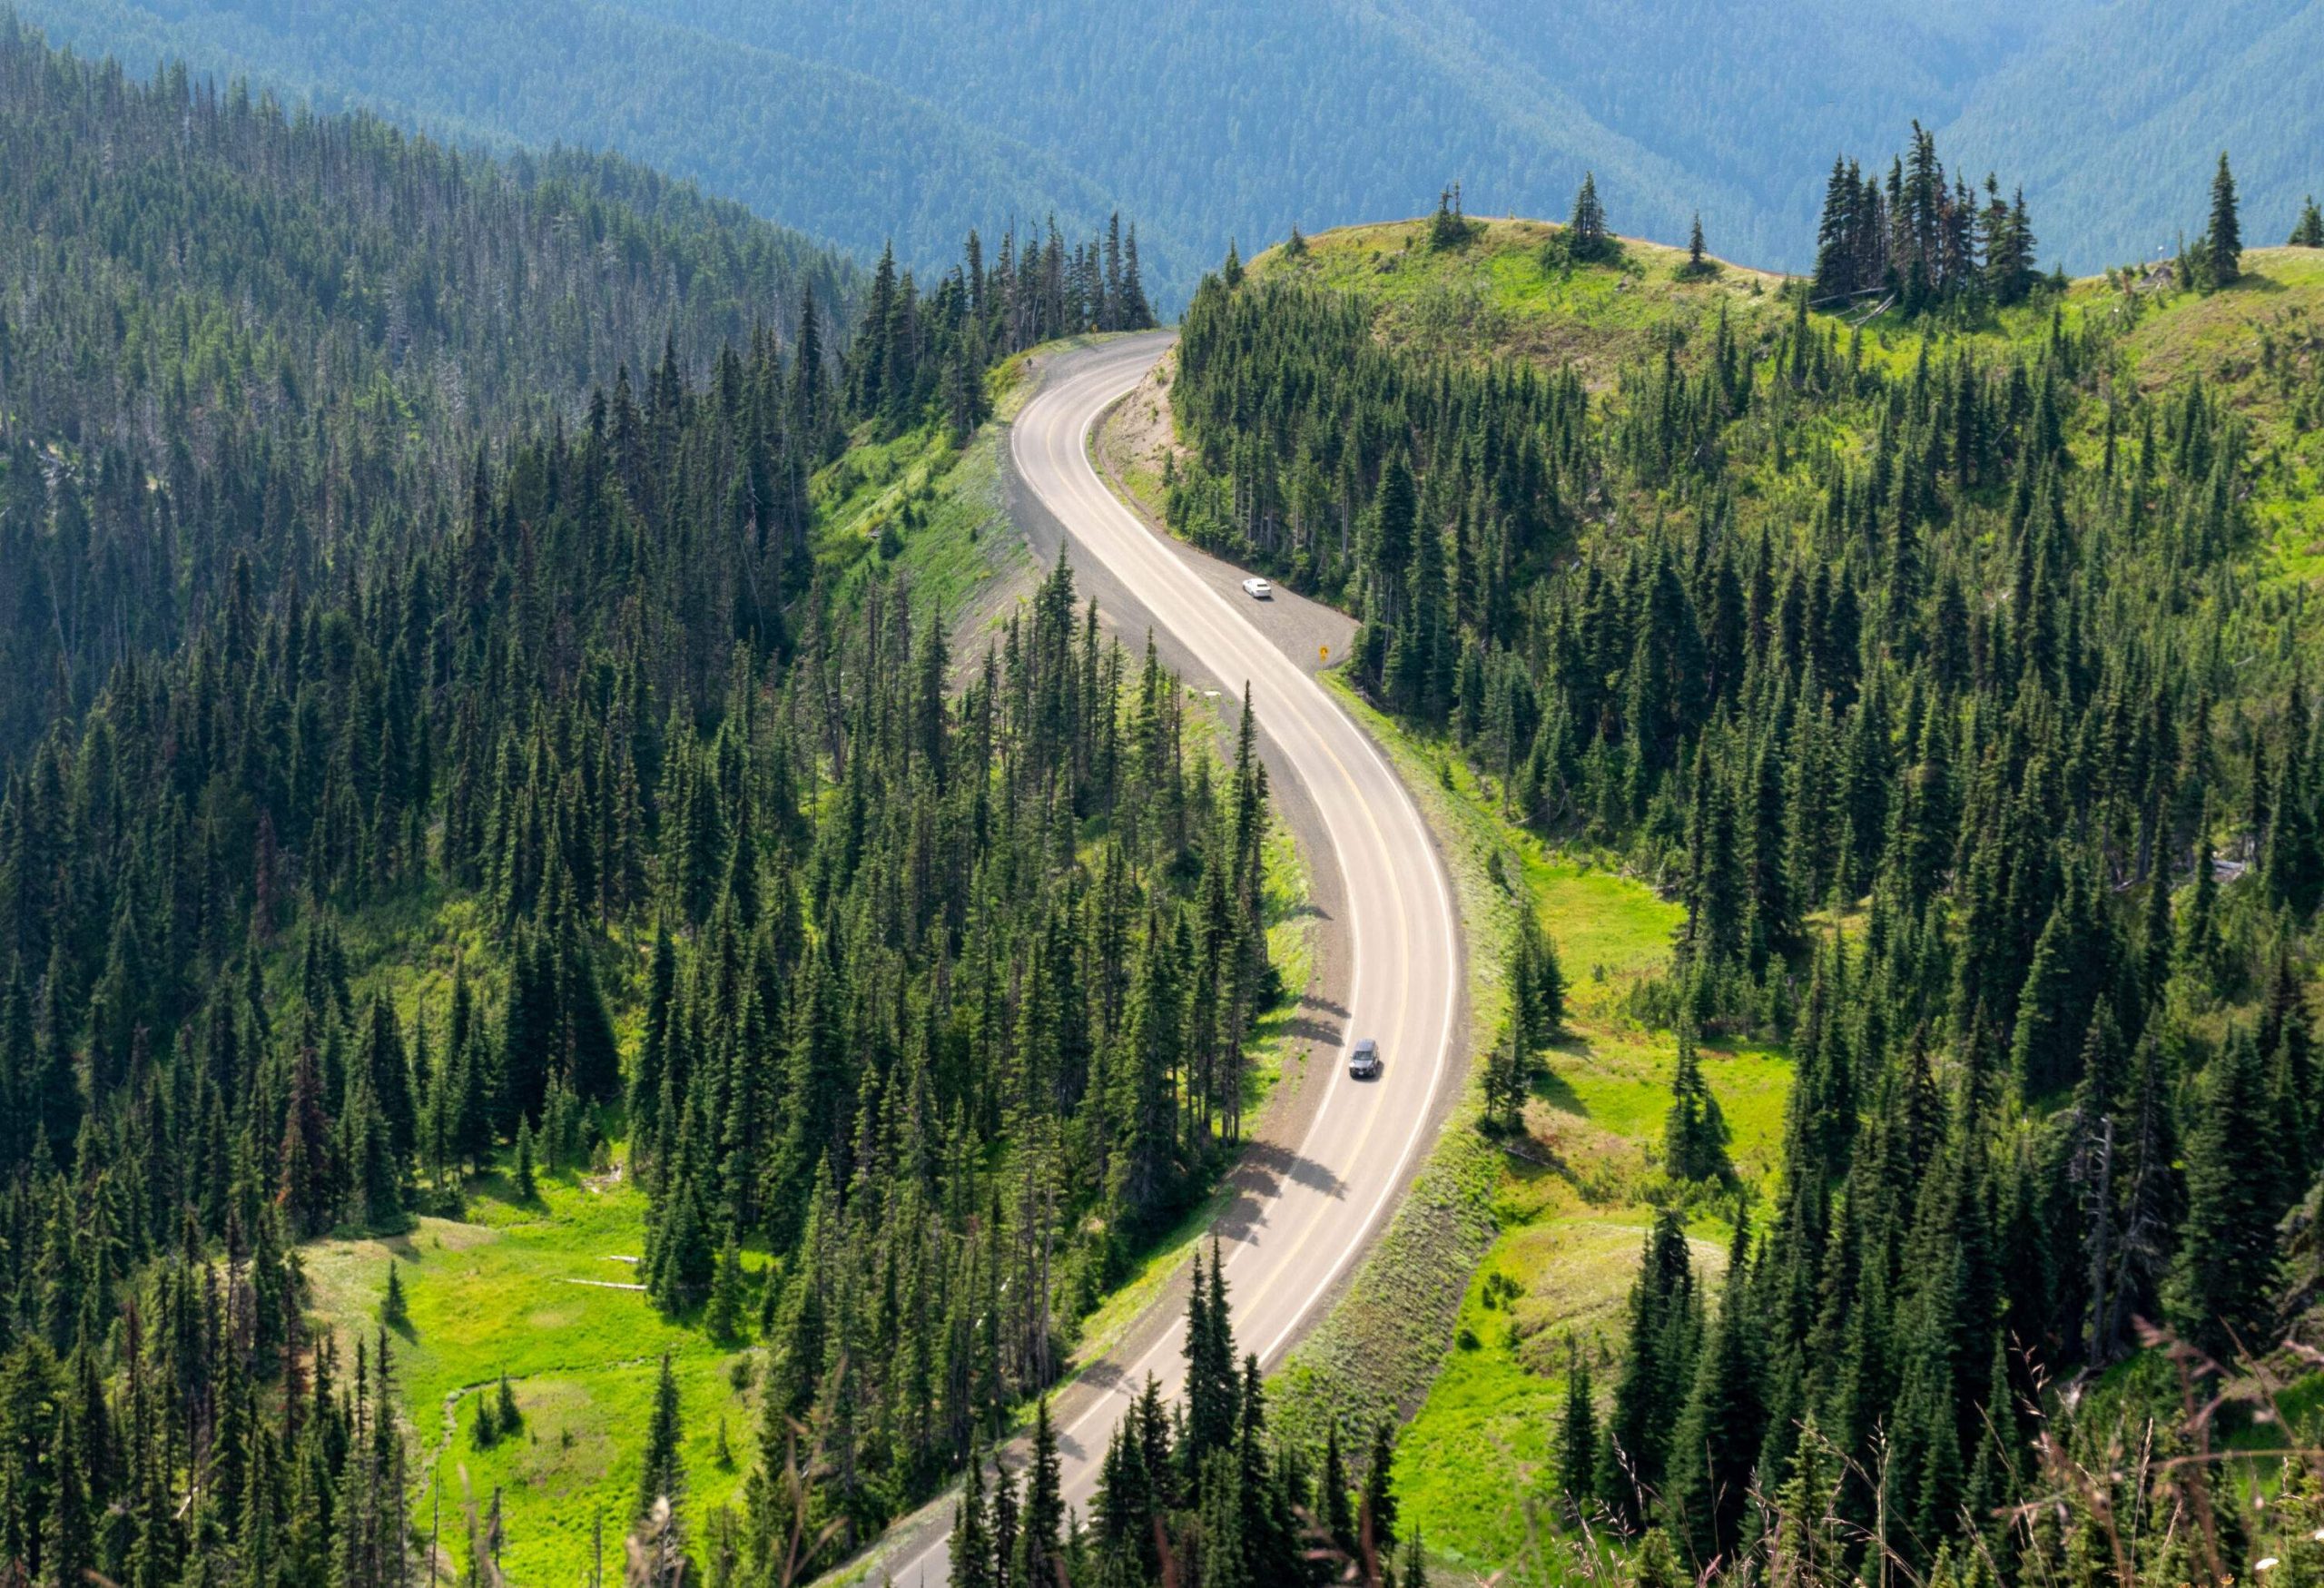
[2160,89]
[231,338]
[527,975]
[1949,679]
[1502,296]
[845,156]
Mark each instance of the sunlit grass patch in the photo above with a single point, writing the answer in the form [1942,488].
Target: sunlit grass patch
[1475,1470]
[496,1292]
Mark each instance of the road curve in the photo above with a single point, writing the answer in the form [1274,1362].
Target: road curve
[1364,1139]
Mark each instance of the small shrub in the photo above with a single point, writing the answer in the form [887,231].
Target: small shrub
[1502,1290]
[1449,227]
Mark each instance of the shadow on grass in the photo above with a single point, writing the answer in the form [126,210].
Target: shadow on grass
[1552,1087]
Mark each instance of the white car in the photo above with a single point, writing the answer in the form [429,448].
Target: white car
[1258,589]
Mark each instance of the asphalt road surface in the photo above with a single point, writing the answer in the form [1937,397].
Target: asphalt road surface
[1363,1139]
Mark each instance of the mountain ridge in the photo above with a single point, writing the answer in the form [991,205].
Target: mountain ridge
[873,120]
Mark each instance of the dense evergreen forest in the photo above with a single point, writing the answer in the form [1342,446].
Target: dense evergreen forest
[230,334]
[387,528]
[867,119]
[1942,669]
[352,569]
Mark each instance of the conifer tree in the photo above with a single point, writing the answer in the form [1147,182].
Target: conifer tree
[521,1177]
[1659,1360]
[1213,1392]
[1336,1510]
[1577,1451]
[1809,1545]
[1718,1435]
[1586,236]
[1448,229]
[723,1316]
[662,1472]
[2219,1291]
[1694,1131]
[2223,239]
[2309,231]
[1658,1563]
[305,1189]
[1044,1515]
[2196,941]
[1414,1574]
[1147,1166]
[1376,1511]
[367,1149]
[970,1548]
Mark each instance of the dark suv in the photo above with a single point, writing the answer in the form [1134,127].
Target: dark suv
[1364,1061]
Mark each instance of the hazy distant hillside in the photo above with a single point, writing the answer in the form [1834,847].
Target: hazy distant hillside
[834,153]
[862,119]
[2116,116]
[202,294]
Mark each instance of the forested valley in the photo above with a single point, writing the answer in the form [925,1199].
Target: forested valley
[498,780]
[1936,633]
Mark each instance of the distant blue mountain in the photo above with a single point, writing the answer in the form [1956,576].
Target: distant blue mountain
[861,120]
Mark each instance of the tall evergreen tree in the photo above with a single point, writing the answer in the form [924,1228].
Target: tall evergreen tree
[2221,1289]
[1577,1451]
[1586,235]
[662,1474]
[2223,239]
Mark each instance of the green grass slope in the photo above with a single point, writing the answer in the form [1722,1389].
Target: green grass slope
[544,1292]
[1502,294]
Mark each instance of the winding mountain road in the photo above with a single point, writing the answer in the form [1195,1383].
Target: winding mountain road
[1298,1229]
